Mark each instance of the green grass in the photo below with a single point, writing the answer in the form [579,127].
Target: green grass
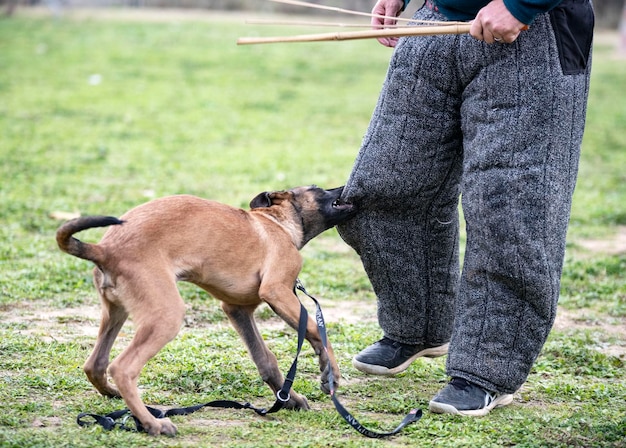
[179,108]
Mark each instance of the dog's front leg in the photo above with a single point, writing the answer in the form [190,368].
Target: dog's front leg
[286,304]
[242,318]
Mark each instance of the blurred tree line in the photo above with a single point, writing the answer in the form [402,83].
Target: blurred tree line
[608,12]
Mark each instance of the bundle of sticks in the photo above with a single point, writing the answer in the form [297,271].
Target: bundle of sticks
[410,28]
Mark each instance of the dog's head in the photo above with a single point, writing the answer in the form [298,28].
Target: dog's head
[311,207]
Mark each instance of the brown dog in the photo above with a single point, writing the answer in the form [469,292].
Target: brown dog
[240,257]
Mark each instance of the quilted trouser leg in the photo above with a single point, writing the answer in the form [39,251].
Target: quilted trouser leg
[405,182]
[522,142]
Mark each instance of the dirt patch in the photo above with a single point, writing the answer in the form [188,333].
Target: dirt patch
[613,245]
[610,329]
[69,323]
[59,325]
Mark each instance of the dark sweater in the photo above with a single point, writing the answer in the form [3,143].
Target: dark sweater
[523,10]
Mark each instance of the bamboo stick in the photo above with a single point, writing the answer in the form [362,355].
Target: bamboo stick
[314,24]
[365,34]
[334,8]
[360,13]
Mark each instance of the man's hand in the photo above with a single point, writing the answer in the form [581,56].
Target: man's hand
[494,23]
[391,8]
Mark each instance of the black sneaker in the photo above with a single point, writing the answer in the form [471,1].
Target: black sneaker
[387,357]
[460,397]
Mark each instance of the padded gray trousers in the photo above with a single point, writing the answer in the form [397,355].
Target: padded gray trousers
[500,126]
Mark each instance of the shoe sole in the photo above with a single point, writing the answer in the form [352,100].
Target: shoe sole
[443,408]
[432,352]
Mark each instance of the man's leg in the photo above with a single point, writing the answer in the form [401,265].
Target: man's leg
[523,121]
[405,182]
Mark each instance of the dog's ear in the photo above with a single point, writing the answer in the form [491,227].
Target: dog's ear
[261,200]
[269,198]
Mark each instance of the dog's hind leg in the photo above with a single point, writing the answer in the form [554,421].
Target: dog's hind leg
[113,317]
[286,304]
[242,318]
[157,312]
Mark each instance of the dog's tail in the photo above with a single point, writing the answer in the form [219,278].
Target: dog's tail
[67,243]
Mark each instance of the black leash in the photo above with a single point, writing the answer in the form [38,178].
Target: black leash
[411,417]
[110,420]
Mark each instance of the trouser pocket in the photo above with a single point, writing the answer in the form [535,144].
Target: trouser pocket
[573,21]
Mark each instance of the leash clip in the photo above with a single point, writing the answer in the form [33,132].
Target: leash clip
[300,286]
[281,399]
[108,423]
[124,420]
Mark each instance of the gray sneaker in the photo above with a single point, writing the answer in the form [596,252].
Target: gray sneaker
[387,357]
[460,397]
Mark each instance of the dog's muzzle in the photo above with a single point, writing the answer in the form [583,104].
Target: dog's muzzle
[342,205]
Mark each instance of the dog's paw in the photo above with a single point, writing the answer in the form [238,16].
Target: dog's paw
[109,391]
[298,402]
[325,386]
[325,383]
[161,426]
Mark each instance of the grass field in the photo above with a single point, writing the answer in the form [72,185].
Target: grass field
[99,115]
